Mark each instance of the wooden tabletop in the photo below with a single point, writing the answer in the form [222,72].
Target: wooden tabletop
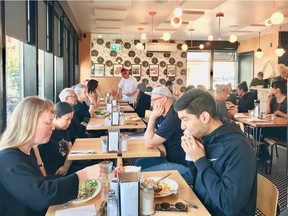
[129,123]
[184,191]
[136,148]
[260,123]
[124,108]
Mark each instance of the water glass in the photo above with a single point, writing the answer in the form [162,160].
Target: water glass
[107,167]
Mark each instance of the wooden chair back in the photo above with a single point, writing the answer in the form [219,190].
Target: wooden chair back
[267,196]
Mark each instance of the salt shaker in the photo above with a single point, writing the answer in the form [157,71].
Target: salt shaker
[104,144]
[112,206]
[147,200]
[124,142]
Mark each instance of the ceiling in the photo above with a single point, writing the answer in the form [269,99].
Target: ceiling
[121,19]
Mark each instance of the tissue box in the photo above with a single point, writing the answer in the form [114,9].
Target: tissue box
[129,190]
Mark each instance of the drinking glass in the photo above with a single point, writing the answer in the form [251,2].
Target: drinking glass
[107,167]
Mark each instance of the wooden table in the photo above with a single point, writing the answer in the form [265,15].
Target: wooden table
[123,108]
[257,123]
[99,123]
[184,191]
[136,148]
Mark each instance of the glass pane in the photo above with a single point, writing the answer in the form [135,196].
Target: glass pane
[198,56]
[41,73]
[14,88]
[224,73]
[198,73]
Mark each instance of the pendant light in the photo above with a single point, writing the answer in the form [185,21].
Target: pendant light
[259,52]
[139,45]
[276,18]
[219,15]
[279,51]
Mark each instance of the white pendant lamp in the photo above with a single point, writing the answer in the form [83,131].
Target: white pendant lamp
[279,51]
[259,52]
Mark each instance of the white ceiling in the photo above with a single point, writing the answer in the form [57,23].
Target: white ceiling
[121,19]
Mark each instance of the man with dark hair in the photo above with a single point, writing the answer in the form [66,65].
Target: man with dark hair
[221,157]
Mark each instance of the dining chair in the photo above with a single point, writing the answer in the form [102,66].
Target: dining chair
[273,143]
[267,196]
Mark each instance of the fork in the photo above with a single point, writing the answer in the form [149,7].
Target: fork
[188,202]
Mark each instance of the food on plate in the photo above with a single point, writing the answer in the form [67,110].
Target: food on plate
[101,113]
[135,118]
[160,188]
[87,189]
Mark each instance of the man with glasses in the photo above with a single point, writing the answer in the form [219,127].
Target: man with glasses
[223,161]
[164,132]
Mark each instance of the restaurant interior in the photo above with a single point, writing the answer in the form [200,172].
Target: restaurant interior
[50,45]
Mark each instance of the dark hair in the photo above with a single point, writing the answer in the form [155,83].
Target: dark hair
[189,87]
[281,85]
[243,86]
[195,102]
[92,85]
[168,83]
[62,108]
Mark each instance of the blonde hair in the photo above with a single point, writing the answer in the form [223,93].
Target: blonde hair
[23,122]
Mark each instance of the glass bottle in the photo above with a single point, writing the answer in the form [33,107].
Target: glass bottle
[119,168]
[112,206]
[147,201]
[257,108]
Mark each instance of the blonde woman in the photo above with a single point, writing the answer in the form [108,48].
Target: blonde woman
[24,190]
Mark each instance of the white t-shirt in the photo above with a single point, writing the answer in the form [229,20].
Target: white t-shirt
[128,85]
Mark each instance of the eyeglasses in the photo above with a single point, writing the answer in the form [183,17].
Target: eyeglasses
[153,100]
[72,96]
[165,206]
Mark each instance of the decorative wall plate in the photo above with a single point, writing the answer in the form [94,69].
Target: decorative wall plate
[94,53]
[162,81]
[91,44]
[113,53]
[154,60]
[109,63]
[131,53]
[127,45]
[149,54]
[148,72]
[127,63]
[172,79]
[167,55]
[179,46]
[100,60]
[179,63]
[182,89]
[162,64]
[145,64]
[149,89]
[108,45]
[172,61]
[119,59]
[100,41]
[183,55]
[136,42]
[165,72]
[154,79]
[138,79]
[145,81]
[183,72]
[118,41]
[137,60]
[179,81]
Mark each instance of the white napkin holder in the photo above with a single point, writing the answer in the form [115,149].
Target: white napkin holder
[115,117]
[109,107]
[129,194]
[113,140]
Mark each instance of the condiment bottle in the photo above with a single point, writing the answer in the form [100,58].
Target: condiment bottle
[147,200]
[112,206]
[119,168]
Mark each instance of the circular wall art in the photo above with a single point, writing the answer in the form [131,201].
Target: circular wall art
[113,53]
[108,45]
[149,54]
[182,89]
[179,63]
[149,89]
[100,60]
[172,79]
[179,46]
[172,61]
[91,44]
[162,64]
[179,81]
[145,64]
[118,41]
[131,53]
[100,41]
[145,81]
[127,63]
[136,42]
[137,60]
[162,81]
[154,60]
[183,72]
[165,72]
[109,63]
[119,59]
[148,72]
[167,55]
[154,79]
[127,45]
[183,55]
[94,53]
[138,79]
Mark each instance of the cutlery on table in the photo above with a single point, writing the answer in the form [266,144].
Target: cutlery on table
[157,182]
[188,202]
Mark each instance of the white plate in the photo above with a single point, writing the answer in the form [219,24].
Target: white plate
[171,183]
[91,197]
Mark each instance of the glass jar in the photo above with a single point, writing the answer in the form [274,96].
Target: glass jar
[147,201]
[112,206]
[124,142]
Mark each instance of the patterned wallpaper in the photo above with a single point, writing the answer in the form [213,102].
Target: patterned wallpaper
[107,62]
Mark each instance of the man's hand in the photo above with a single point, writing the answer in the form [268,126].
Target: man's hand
[157,111]
[193,148]
[162,150]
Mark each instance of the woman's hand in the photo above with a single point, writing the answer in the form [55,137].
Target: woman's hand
[61,171]
[91,172]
